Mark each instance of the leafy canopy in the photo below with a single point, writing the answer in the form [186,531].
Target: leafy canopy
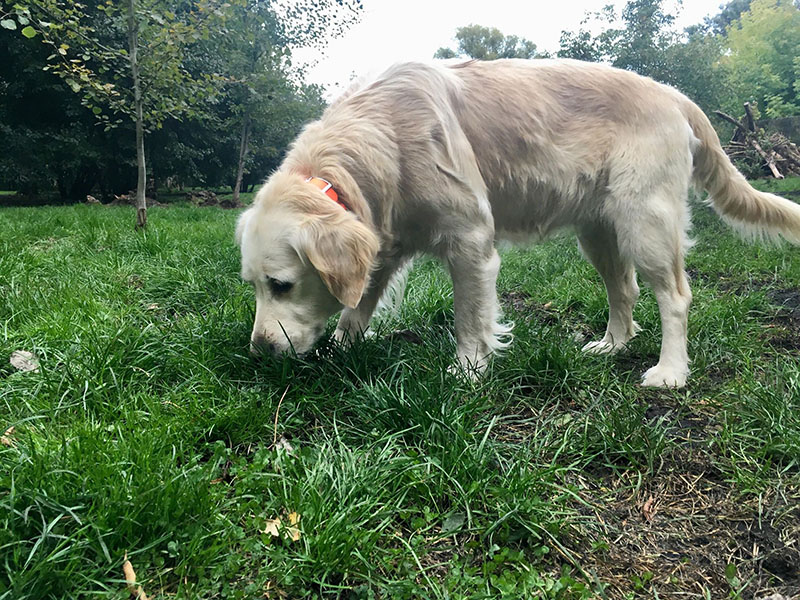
[487,43]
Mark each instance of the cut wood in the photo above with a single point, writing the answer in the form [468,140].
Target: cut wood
[774,152]
[769,158]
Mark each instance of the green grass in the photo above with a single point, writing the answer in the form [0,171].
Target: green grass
[150,431]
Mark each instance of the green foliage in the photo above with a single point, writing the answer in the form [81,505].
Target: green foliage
[150,430]
[764,57]
[695,67]
[204,67]
[748,52]
[50,141]
[730,12]
[640,45]
[89,52]
[488,43]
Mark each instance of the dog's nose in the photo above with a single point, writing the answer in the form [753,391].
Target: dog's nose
[259,344]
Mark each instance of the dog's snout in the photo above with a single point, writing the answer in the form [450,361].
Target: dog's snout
[259,344]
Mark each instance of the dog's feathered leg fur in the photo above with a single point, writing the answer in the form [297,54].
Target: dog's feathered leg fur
[354,322]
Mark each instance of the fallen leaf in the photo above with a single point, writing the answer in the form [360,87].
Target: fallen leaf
[7,439]
[293,531]
[24,361]
[273,527]
[272,591]
[649,509]
[134,588]
[283,444]
[153,306]
[290,532]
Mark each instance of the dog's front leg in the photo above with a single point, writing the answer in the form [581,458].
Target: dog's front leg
[354,322]
[474,270]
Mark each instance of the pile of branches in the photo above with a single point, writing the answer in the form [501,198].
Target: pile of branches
[758,151]
[209,198]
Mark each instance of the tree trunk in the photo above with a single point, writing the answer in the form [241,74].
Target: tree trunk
[243,147]
[141,200]
[751,122]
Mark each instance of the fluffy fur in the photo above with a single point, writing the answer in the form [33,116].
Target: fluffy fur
[445,160]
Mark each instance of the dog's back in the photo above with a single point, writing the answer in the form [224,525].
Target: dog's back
[446,159]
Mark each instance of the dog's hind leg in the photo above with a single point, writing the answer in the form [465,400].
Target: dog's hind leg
[599,245]
[656,240]
[354,322]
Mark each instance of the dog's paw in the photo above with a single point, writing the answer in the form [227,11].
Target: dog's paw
[468,369]
[602,347]
[458,370]
[347,338]
[664,377]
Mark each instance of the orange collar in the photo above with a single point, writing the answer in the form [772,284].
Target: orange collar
[326,187]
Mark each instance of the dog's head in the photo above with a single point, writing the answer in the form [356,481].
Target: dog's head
[306,257]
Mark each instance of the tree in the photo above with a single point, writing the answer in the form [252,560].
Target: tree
[764,57]
[259,59]
[126,59]
[729,13]
[487,43]
[648,44]
[49,140]
[695,67]
[640,45]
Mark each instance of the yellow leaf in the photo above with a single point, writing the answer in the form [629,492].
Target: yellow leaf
[7,439]
[273,527]
[293,531]
[290,532]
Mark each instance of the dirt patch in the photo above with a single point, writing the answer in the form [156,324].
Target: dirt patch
[727,282]
[547,314]
[783,332]
[523,304]
[687,427]
[789,302]
[685,533]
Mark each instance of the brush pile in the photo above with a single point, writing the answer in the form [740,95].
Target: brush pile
[757,152]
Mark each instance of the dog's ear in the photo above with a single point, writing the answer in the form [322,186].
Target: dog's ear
[342,251]
[240,225]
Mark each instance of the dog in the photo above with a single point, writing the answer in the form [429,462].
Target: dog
[447,159]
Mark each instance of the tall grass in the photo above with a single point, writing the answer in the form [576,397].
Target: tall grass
[150,431]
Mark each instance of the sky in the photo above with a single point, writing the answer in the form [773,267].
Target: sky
[399,30]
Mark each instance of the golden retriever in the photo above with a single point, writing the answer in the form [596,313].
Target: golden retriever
[448,159]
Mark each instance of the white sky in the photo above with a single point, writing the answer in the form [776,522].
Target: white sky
[399,30]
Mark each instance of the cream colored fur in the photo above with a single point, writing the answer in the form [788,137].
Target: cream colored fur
[446,160]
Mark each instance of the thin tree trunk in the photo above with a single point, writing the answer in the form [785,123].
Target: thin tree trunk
[141,200]
[751,122]
[243,147]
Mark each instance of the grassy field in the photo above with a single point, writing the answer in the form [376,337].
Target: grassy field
[149,431]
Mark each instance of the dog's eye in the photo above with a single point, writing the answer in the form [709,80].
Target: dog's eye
[280,287]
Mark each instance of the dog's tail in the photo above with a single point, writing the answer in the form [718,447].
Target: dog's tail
[751,212]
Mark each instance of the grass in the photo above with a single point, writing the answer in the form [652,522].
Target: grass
[171,197]
[150,431]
